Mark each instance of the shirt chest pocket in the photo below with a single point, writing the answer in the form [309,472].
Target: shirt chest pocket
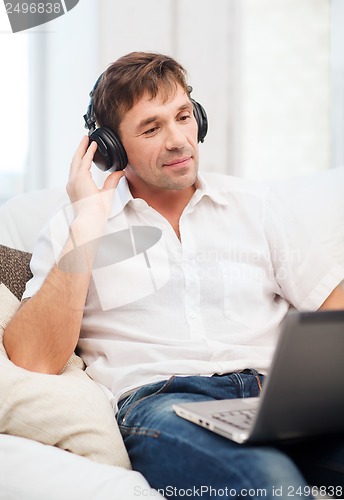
[243,293]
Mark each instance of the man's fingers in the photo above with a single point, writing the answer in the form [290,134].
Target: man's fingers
[81,149]
[112,180]
[86,161]
[90,152]
[81,184]
[83,156]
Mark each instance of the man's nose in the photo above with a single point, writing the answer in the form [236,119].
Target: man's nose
[175,138]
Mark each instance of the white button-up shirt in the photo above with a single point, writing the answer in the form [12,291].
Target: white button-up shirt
[211,302]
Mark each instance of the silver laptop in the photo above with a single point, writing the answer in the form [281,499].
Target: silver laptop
[303,394]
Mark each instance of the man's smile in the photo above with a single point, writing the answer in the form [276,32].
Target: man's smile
[178,162]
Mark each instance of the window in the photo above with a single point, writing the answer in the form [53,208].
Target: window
[14,112]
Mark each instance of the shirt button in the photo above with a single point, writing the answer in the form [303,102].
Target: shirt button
[192,315]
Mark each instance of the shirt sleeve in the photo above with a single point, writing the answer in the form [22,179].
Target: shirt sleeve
[304,271]
[47,250]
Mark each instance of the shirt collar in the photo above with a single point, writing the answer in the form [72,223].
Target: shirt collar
[203,188]
[123,195]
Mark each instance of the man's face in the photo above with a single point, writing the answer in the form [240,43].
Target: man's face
[160,138]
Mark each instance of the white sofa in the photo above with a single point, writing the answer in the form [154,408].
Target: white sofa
[30,470]
[33,471]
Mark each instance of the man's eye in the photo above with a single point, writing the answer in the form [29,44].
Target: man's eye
[184,117]
[150,131]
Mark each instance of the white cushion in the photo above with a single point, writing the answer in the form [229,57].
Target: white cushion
[69,410]
[34,471]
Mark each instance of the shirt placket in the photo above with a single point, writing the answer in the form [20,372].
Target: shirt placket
[192,299]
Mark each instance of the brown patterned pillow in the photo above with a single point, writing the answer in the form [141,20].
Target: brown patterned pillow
[14,269]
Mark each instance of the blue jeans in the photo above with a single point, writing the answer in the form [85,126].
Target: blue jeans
[181,459]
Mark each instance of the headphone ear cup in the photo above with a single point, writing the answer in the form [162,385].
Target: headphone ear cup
[110,154]
[201,119]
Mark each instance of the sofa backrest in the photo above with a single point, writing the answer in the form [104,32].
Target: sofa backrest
[23,216]
[318,199]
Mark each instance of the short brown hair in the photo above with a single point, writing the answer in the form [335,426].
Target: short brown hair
[127,79]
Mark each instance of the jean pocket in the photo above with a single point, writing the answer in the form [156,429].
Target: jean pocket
[243,292]
[140,395]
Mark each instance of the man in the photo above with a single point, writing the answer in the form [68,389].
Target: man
[187,312]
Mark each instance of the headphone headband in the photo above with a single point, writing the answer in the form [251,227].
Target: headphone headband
[89,117]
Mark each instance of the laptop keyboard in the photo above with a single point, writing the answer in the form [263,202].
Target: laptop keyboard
[242,419]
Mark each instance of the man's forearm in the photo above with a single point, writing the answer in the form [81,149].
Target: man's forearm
[43,334]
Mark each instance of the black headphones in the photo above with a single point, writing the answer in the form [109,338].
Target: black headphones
[110,153]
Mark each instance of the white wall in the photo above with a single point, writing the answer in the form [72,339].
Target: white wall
[337,83]
[285,85]
[64,62]
[259,67]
